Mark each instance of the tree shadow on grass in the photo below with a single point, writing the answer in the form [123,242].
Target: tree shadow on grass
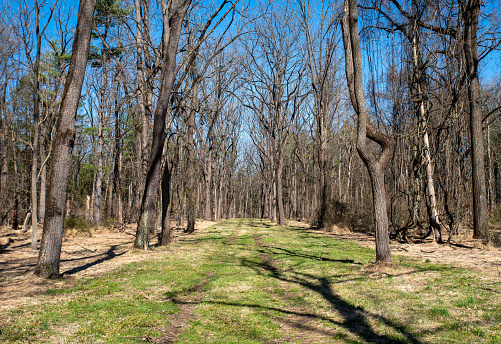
[287,252]
[355,318]
[108,255]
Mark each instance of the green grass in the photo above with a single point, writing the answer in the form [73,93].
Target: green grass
[248,281]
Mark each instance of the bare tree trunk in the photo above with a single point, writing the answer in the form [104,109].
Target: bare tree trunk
[36,131]
[208,177]
[470,14]
[375,166]
[15,220]
[119,187]
[431,201]
[174,14]
[142,98]
[43,178]
[165,238]
[279,194]
[216,214]
[117,154]
[190,164]
[99,149]
[490,185]
[294,191]
[64,140]
[130,202]
[4,163]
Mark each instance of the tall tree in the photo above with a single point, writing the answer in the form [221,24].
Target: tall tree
[274,79]
[412,32]
[470,13]
[173,15]
[320,56]
[64,140]
[35,68]
[376,166]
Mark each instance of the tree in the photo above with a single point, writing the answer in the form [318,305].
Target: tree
[320,55]
[420,80]
[470,13]
[173,16]
[35,67]
[274,81]
[376,166]
[52,235]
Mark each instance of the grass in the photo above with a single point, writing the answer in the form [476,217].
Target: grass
[248,281]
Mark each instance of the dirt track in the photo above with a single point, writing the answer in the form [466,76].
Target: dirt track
[87,257]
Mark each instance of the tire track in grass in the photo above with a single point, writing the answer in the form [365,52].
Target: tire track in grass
[188,303]
[179,321]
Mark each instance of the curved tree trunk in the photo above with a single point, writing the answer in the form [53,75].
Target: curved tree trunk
[375,166]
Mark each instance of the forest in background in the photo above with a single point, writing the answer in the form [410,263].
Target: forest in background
[258,120]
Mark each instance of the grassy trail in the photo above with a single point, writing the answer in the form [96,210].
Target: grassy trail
[248,281]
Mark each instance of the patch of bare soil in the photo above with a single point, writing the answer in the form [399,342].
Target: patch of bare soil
[81,257]
[463,251]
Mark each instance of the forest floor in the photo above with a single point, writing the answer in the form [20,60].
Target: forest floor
[97,253]
[463,251]
[103,251]
[419,301]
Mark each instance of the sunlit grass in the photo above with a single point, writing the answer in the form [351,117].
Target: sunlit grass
[249,281]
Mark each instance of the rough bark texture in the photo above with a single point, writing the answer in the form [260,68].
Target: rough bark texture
[52,235]
[173,20]
[375,166]
[470,13]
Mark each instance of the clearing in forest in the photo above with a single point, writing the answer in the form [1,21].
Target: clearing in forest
[249,281]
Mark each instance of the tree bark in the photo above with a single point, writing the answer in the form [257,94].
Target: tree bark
[279,193]
[208,178]
[375,166]
[470,13]
[100,144]
[64,140]
[190,166]
[431,201]
[36,131]
[165,238]
[174,14]
[142,89]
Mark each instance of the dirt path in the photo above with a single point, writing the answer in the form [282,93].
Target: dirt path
[103,252]
[81,257]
